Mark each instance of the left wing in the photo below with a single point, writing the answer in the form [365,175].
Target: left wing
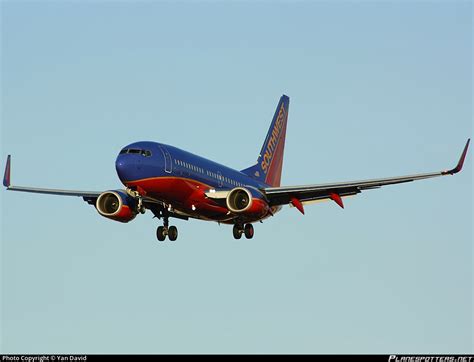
[300,195]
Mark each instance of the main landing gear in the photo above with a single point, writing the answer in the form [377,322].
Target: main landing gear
[165,230]
[240,229]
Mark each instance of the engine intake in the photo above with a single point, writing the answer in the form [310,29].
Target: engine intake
[239,200]
[117,205]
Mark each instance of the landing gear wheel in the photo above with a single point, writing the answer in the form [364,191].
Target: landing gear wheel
[249,231]
[237,231]
[172,233]
[161,233]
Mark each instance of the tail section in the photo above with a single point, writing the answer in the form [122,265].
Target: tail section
[270,161]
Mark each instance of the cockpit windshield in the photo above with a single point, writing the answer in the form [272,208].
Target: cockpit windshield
[137,151]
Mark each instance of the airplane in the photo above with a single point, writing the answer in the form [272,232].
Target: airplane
[173,183]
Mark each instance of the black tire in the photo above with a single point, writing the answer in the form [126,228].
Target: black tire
[237,231]
[172,233]
[249,231]
[160,233]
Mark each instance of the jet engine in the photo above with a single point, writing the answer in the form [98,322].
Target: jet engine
[117,205]
[242,201]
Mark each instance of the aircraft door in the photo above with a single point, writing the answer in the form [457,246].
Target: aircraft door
[220,179]
[168,161]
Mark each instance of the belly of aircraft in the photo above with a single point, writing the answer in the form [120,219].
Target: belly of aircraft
[187,197]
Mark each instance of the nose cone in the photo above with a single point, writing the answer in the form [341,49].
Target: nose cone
[126,168]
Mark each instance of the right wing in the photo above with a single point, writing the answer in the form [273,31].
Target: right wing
[7,184]
[89,196]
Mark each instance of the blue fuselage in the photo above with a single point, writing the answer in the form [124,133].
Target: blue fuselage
[146,160]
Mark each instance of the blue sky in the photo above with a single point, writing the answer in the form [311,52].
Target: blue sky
[376,89]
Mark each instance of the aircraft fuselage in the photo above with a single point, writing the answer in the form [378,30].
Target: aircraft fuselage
[181,179]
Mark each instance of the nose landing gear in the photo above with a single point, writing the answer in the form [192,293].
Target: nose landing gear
[136,195]
[140,207]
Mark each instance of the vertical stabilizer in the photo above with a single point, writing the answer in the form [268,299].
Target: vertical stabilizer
[270,161]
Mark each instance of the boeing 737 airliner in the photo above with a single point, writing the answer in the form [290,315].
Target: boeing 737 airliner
[173,183]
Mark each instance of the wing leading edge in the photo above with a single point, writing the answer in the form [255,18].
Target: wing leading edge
[300,195]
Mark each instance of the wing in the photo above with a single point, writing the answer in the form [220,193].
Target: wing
[300,195]
[156,206]
[7,184]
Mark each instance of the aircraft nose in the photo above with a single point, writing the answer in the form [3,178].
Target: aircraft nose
[124,168]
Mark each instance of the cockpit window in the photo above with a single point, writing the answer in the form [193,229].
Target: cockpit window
[137,151]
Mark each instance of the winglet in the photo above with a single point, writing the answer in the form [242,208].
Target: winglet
[6,176]
[461,161]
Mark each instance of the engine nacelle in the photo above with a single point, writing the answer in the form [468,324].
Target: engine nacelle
[241,200]
[117,205]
